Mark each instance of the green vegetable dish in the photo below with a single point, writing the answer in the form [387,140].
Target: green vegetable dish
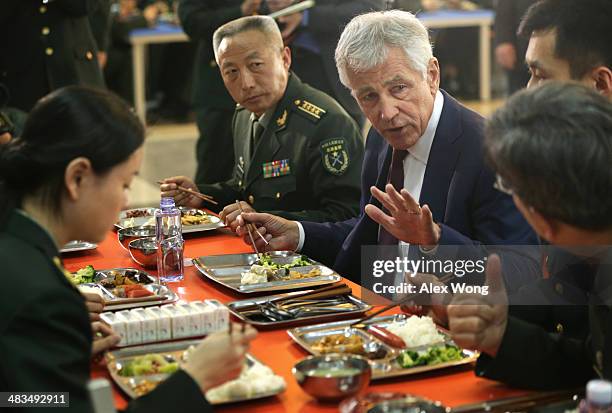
[267,261]
[149,364]
[429,357]
[83,276]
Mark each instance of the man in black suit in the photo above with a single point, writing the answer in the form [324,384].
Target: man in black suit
[424,180]
[509,46]
[46,45]
[312,36]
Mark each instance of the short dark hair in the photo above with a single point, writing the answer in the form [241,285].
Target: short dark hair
[69,123]
[553,146]
[263,24]
[583,29]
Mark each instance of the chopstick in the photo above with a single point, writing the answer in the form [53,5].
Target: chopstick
[250,227]
[203,197]
[520,403]
[325,292]
[307,295]
[409,297]
[230,330]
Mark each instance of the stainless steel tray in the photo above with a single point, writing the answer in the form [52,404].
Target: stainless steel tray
[149,219]
[226,270]
[74,246]
[242,309]
[381,368]
[113,360]
[163,294]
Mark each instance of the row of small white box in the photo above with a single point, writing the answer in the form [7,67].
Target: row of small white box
[168,322]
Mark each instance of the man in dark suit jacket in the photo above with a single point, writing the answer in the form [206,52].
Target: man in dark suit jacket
[312,36]
[213,105]
[396,84]
[510,48]
[45,46]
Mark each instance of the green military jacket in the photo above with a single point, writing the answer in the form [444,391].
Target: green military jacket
[45,333]
[306,164]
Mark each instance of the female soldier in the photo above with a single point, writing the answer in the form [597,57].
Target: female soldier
[66,178]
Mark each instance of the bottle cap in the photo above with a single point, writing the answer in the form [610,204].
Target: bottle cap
[599,392]
[166,202]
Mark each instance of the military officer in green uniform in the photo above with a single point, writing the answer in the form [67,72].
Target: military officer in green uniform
[298,153]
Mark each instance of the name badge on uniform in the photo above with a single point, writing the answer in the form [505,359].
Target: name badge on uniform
[276,168]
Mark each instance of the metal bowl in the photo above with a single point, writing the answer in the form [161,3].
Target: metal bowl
[332,377]
[144,251]
[126,235]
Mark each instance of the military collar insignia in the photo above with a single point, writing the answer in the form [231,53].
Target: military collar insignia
[315,112]
[335,156]
[282,120]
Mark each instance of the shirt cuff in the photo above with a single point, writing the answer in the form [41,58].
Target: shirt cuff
[302,237]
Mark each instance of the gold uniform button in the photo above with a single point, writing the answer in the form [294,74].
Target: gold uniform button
[89,55]
[559,328]
[251,199]
[278,195]
[45,31]
[559,288]
[49,51]
[42,9]
[239,183]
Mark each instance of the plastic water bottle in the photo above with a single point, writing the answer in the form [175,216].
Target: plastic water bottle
[169,240]
[598,397]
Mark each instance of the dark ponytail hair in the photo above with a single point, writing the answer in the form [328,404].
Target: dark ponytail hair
[71,122]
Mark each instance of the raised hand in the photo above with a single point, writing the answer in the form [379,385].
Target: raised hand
[479,321]
[408,222]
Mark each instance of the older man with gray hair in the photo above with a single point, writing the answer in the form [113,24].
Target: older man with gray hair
[424,179]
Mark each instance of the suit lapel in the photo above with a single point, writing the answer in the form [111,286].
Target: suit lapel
[443,157]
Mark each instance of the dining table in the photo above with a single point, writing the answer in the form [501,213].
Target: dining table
[452,387]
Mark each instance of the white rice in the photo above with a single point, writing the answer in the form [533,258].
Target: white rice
[417,331]
[255,380]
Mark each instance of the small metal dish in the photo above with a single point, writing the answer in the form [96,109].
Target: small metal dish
[126,235]
[333,377]
[144,251]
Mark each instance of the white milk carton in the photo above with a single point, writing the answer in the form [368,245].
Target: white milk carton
[194,320]
[180,321]
[118,324]
[133,327]
[149,325]
[163,322]
[221,315]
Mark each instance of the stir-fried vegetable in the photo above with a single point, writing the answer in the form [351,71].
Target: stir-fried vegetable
[434,355]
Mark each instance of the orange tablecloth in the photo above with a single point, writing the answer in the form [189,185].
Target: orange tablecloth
[275,348]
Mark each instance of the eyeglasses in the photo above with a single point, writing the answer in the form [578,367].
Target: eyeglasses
[502,186]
